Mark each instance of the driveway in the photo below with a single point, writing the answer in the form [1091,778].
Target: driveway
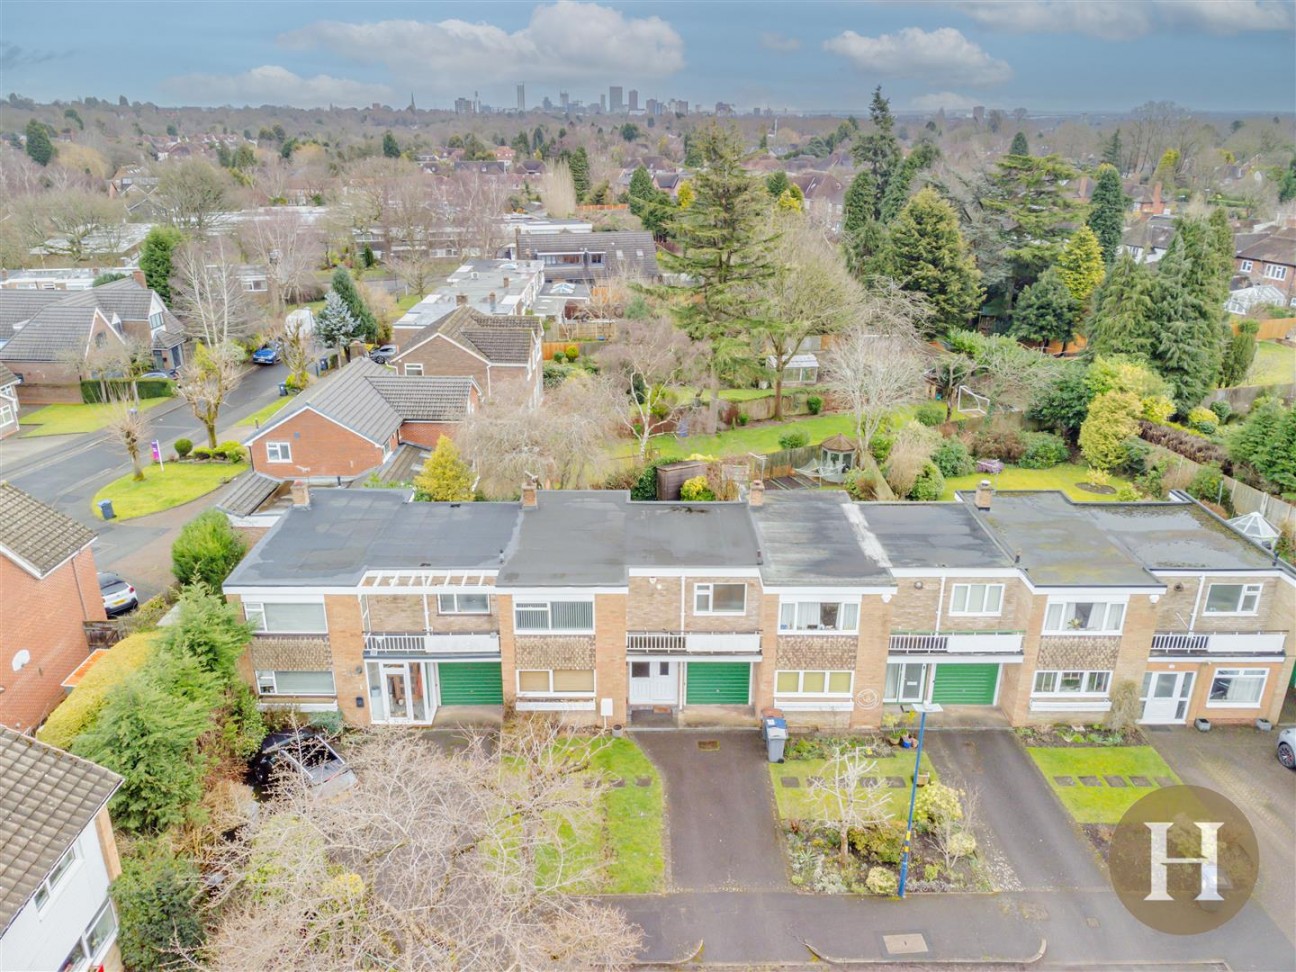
[721,822]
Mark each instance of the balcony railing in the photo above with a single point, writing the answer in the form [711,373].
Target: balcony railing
[956,642]
[1218,642]
[693,642]
[431,643]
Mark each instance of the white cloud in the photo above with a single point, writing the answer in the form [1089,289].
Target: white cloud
[1126,19]
[942,55]
[274,85]
[773,41]
[564,41]
[943,99]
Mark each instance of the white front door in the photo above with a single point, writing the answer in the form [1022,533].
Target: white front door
[1166,697]
[398,692]
[654,683]
[905,682]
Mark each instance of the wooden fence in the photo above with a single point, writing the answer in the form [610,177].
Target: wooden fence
[1274,329]
[1245,499]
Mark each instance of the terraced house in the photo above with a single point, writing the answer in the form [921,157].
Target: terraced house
[1023,605]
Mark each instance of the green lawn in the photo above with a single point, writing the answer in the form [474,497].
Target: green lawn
[1098,804]
[75,419]
[162,488]
[406,302]
[802,803]
[1275,364]
[1064,477]
[264,413]
[756,438]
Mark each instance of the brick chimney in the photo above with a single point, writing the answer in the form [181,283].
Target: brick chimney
[506,283]
[529,501]
[492,300]
[1157,208]
[756,493]
[461,300]
[984,492]
[301,494]
[139,277]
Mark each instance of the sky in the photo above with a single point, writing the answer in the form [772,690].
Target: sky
[1042,55]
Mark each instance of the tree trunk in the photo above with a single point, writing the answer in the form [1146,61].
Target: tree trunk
[845,846]
[211,431]
[713,406]
[778,391]
[137,473]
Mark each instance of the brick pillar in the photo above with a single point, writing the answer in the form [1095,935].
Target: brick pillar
[346,645]
[871,660]
[508,648]
[763,689]
[1017,680]
[1136,642]
[611,673]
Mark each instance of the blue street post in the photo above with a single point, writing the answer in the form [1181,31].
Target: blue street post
[923,708]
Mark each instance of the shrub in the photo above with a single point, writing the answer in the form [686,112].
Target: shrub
[814,404]
[156,898]
[1113,418]
[794,438]
[930,413]
[232,451]
[554,373]
[861,484]
[728,414]
[208,630]
[929,485]
[1157,408]
[696,490]
[295,383]
[1125,705]
[645,486]
[1043,451]
[1136,457]
[961,844]
[1097,477]
[1127,493]
[1005,444]
[953,459]
[206,550]
[1203,420]
[82,706]
[1208,485]
[1222,409]
[882,842]
[560,356]
[937,802]
[573,352]
[202,452]
[743,418]
[880,446]
[1186,444]
[882,880]
[183,447]
[909,458]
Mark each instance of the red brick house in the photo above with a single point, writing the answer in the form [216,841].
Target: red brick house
[1269,259]
[8,402]
[351,423]
[50,587]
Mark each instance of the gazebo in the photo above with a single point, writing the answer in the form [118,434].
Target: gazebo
[1256,527]
[836,458]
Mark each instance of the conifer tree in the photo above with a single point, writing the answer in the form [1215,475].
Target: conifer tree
[1187,328]
[155,259]
[1112,150]
[1019,145]
[39,147]
[445,478]
[1080,265]
[1029,195]
[580,171]
[1046,310]
[1122,319]
[335,325]
[1107,212]
[927,254]
[344,286]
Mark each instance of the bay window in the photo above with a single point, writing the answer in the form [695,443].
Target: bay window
[1241,687]
[295,683]
[719,598]
[573,616]
[558,681]
[1232,599]
[1084,617]
[286,617]
[835,616]
[813,683]
[982,599]
[1072,682]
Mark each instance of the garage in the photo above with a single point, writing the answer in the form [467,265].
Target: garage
[966,684]
[718,683]
[471,683]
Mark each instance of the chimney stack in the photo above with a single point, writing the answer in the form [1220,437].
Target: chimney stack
[492,300]
[529,501]
[1157,208]
[139,277]
[756,494]
[984,492]
[506,283]
[461,300]
[300,494]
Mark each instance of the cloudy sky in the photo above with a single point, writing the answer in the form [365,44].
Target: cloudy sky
[1039,54]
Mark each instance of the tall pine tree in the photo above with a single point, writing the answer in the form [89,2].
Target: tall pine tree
[1030,196]
[1107,211]
[1112,152]
[928,255]
[345,288]
[1122,319]
[1188,348]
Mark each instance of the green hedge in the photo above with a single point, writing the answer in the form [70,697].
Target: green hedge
[92,391]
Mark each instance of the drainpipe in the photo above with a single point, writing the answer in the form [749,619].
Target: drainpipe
[1201,586]
[940,604]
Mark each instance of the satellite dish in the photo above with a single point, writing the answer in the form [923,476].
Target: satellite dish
[20,660]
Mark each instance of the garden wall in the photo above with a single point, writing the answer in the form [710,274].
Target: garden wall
[1243,397]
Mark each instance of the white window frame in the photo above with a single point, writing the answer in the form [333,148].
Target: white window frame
[1237,673]
[825,672]
[533,604]
[707,591]
[55,880]
[553,693]
[413,370]
[254,611]
[1275,271]
[91,958]
[268,684]
[967,591]
[795,605]
[456,608]
[1108,606]
[1245,591]
[279,452]
[6,415]
[1094,683]
[1245,266]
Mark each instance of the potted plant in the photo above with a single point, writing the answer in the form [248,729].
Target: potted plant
[1202,724]
[923,779]
[1264,725]
[891,727]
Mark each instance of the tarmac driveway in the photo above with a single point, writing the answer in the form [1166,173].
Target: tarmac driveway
[721,821]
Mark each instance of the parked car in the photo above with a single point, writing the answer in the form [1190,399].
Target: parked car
[1287,747]
[266,356]
[306,754]
[173,374]
[118,596]
[384,354]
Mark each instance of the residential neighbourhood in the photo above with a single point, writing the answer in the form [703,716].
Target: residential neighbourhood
[814,487]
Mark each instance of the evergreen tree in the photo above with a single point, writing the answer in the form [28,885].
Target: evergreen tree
[155,259]
[39,147]
[641,184]
[927,254]
[1287,186]
[862,235]
[345,288]
[878,154]
[1239,353]
[777,183]
[1080,265]
[445,478]
[335,325]
[1187,352]
[897,190]
[521,145]
[1122,317]
[580,171]
[1019,145]
[1112,150]
[1046,310]
[1029,195]
[391,147]
[1222,251]
[1165,173]
[650,204]
[1107,212]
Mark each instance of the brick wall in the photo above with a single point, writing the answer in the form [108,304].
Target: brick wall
[555,652]
[655,605]
[612,674]
[426,434]
[320,447]
[439,356]
[288,654]
[346,644]
[916,608]
[406,612]
[877,618]
[1175,610]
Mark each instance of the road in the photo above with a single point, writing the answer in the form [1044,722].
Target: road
[69,473]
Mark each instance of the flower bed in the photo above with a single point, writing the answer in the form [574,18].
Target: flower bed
[1064,736]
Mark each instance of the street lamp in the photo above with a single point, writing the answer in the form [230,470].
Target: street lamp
[923,708]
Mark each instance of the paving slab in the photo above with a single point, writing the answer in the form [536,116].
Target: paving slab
[1064,780]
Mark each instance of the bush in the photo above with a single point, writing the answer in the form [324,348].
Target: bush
[937,802]
[232,451]
[183,447]
[1043,451]
[696,490]
[1203,420]
[930,413]
[1186,444]
[1157,408]
[206,550]
[1222,409]
[814,404]
[1127,493]
[861,484]
[157,912]
[1005,444]
[645,485]
[82,706]
[1113,418]
[203,452]
[207,630]
[1208,486]
[882,842]
[295,384]
[573,352]
[794,439]
[961,844]
[554,373]
[1136,456]
[743,418]
[882,880]
[120,389]
[953,459]
[929,485]
[880,446]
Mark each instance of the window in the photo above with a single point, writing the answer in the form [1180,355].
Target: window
[977,599]
[295,683]
[556,682]
[1275,272]
[905,682]
[1246,266]
[1232,599]
[278,452]
[156,321]
[289,618]
[94,942]
[813,683]
[6,415]
[819,616]
[415,370]
[1240,687]
[1087,617]
[100,340]
[554,615]
[1072,683]
[59,871]
[463,604]
[719,598]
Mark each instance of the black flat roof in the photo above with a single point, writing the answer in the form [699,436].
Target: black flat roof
[818,538]
[937,535]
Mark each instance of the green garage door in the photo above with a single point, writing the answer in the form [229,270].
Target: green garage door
[471,683]
[718,683]
[965,684]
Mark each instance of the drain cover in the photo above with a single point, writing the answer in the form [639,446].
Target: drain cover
[904,944]
[708,745]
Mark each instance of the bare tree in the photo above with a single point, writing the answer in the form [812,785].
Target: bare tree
[289,249]
[416,269]
[641,367]
[297,345]
[610,298]
[848,804]
[478,201]
[913,447]
[75,223]
[129,428]
[435,860]
[193,192]
[557,191]
[952,828]
[207,379]
[210,297]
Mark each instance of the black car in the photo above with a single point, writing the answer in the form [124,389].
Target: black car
[118,596]
[304,754]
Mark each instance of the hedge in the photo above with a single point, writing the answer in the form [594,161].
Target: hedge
[92,391]
[79,709]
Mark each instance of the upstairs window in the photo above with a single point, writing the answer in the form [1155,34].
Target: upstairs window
[982,599]
[286,617]
[463,604]
[837,616]
[719,598]
[1232,599]
[56,876]
[1084,617]
[573,616]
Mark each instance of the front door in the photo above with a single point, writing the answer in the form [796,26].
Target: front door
[397,696]
[654,683]
[905,682]
[398,692]
[1166,697]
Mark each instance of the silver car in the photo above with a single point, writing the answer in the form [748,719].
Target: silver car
[1287,747]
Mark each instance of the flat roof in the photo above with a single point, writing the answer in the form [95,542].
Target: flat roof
[818,539]
[1174,536]
[938,535]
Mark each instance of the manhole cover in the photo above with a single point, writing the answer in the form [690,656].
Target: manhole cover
[904,944]
[708,745]
[643,781]
[1141,781]
[1091,921]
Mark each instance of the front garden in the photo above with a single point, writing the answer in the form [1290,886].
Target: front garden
[165,486]
[76,419]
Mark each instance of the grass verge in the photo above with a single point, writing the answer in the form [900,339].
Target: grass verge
[75,419]
[165,487]
[803,803]
[261,415]
[1099,804]
[1065,477]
